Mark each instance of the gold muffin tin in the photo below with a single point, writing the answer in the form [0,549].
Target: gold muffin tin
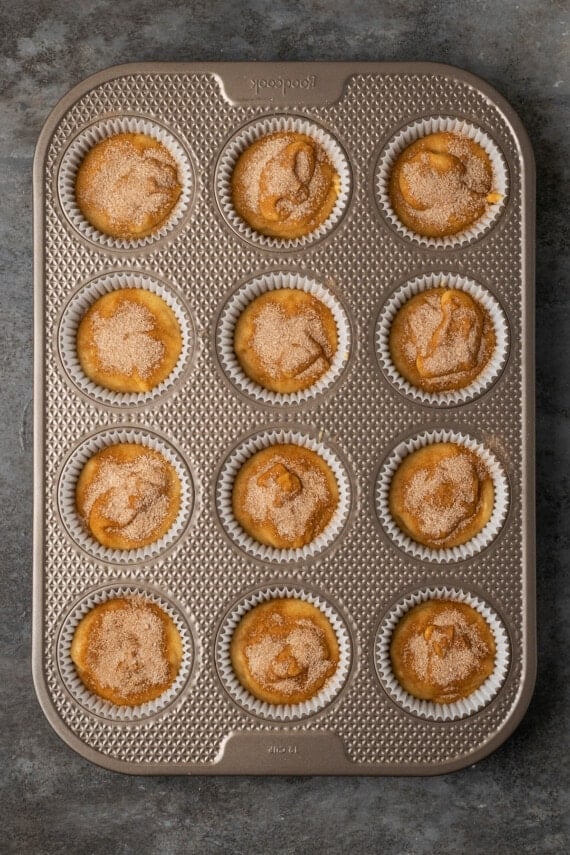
[205,418]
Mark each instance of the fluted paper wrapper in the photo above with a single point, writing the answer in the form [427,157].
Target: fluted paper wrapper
[246,137]
[74,313]
[422,128]
[428,709]
[100,706]
[282,712]
[456,553]
[239,301]
[94,134]
[224,490]
[67,489]
[492,369]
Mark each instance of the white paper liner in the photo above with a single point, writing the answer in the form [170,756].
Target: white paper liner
[242,140]
[489,373]
[230,316]
[73,315]
[432,125]
[94,703]
[456,553]
[67,487]
[282,712]
[225,484]
[91,136]
[428,709]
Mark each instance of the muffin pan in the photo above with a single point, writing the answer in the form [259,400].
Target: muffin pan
[207,415]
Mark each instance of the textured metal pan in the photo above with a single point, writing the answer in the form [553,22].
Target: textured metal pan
[362,261]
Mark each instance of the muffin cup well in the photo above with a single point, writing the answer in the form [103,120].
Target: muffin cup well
[281,712]
[248,135]
[78,306]
[85,141]
[431,125]
[94,703]
[489,373]
[67,503]
[224,488]
[428,709]
[456,553]
[230,316]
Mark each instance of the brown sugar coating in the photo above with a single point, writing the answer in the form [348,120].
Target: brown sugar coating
[129,340]
[441,495]
[127,185]
[128,496]
[127,650]
[284,651]
[284,185]
[441,340]
[285,496]
[285,340]
[442,184]
[442,651]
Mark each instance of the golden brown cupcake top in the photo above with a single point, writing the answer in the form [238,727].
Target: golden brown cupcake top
[442,651]
[129,340]
[284,651]
[284,185]
[127,185]
[128,496]
[441,495]
[284,496]
[285,340]
[442,184]
[127,650]
[441,339]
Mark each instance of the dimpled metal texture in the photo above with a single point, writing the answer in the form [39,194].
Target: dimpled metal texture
[204,573]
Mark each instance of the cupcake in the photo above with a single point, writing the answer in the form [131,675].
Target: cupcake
[442,651]
[127,185]
[441,495]
[129,340]
[128,496]
[284,185]
[127,650]
[284,651]
[441,340]
[284,496]
[285,340]
[442,184]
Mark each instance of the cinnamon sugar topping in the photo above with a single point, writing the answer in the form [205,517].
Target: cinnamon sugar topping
[123,341]
[129,184]
[449,650]
[290,664]
[442,339]
[288,494]
[292,346]
[132,495]
[444,498]
[127,650]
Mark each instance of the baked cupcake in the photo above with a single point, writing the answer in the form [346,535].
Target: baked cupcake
[128,496]
[284,496]
[129,340]
[284,651]
[441,339]
[127,185]
[442,184]
[127,650]
[442,651]
[285,340]
[441,495]
[284,185]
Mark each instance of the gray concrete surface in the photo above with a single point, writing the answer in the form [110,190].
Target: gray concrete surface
[52,800]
